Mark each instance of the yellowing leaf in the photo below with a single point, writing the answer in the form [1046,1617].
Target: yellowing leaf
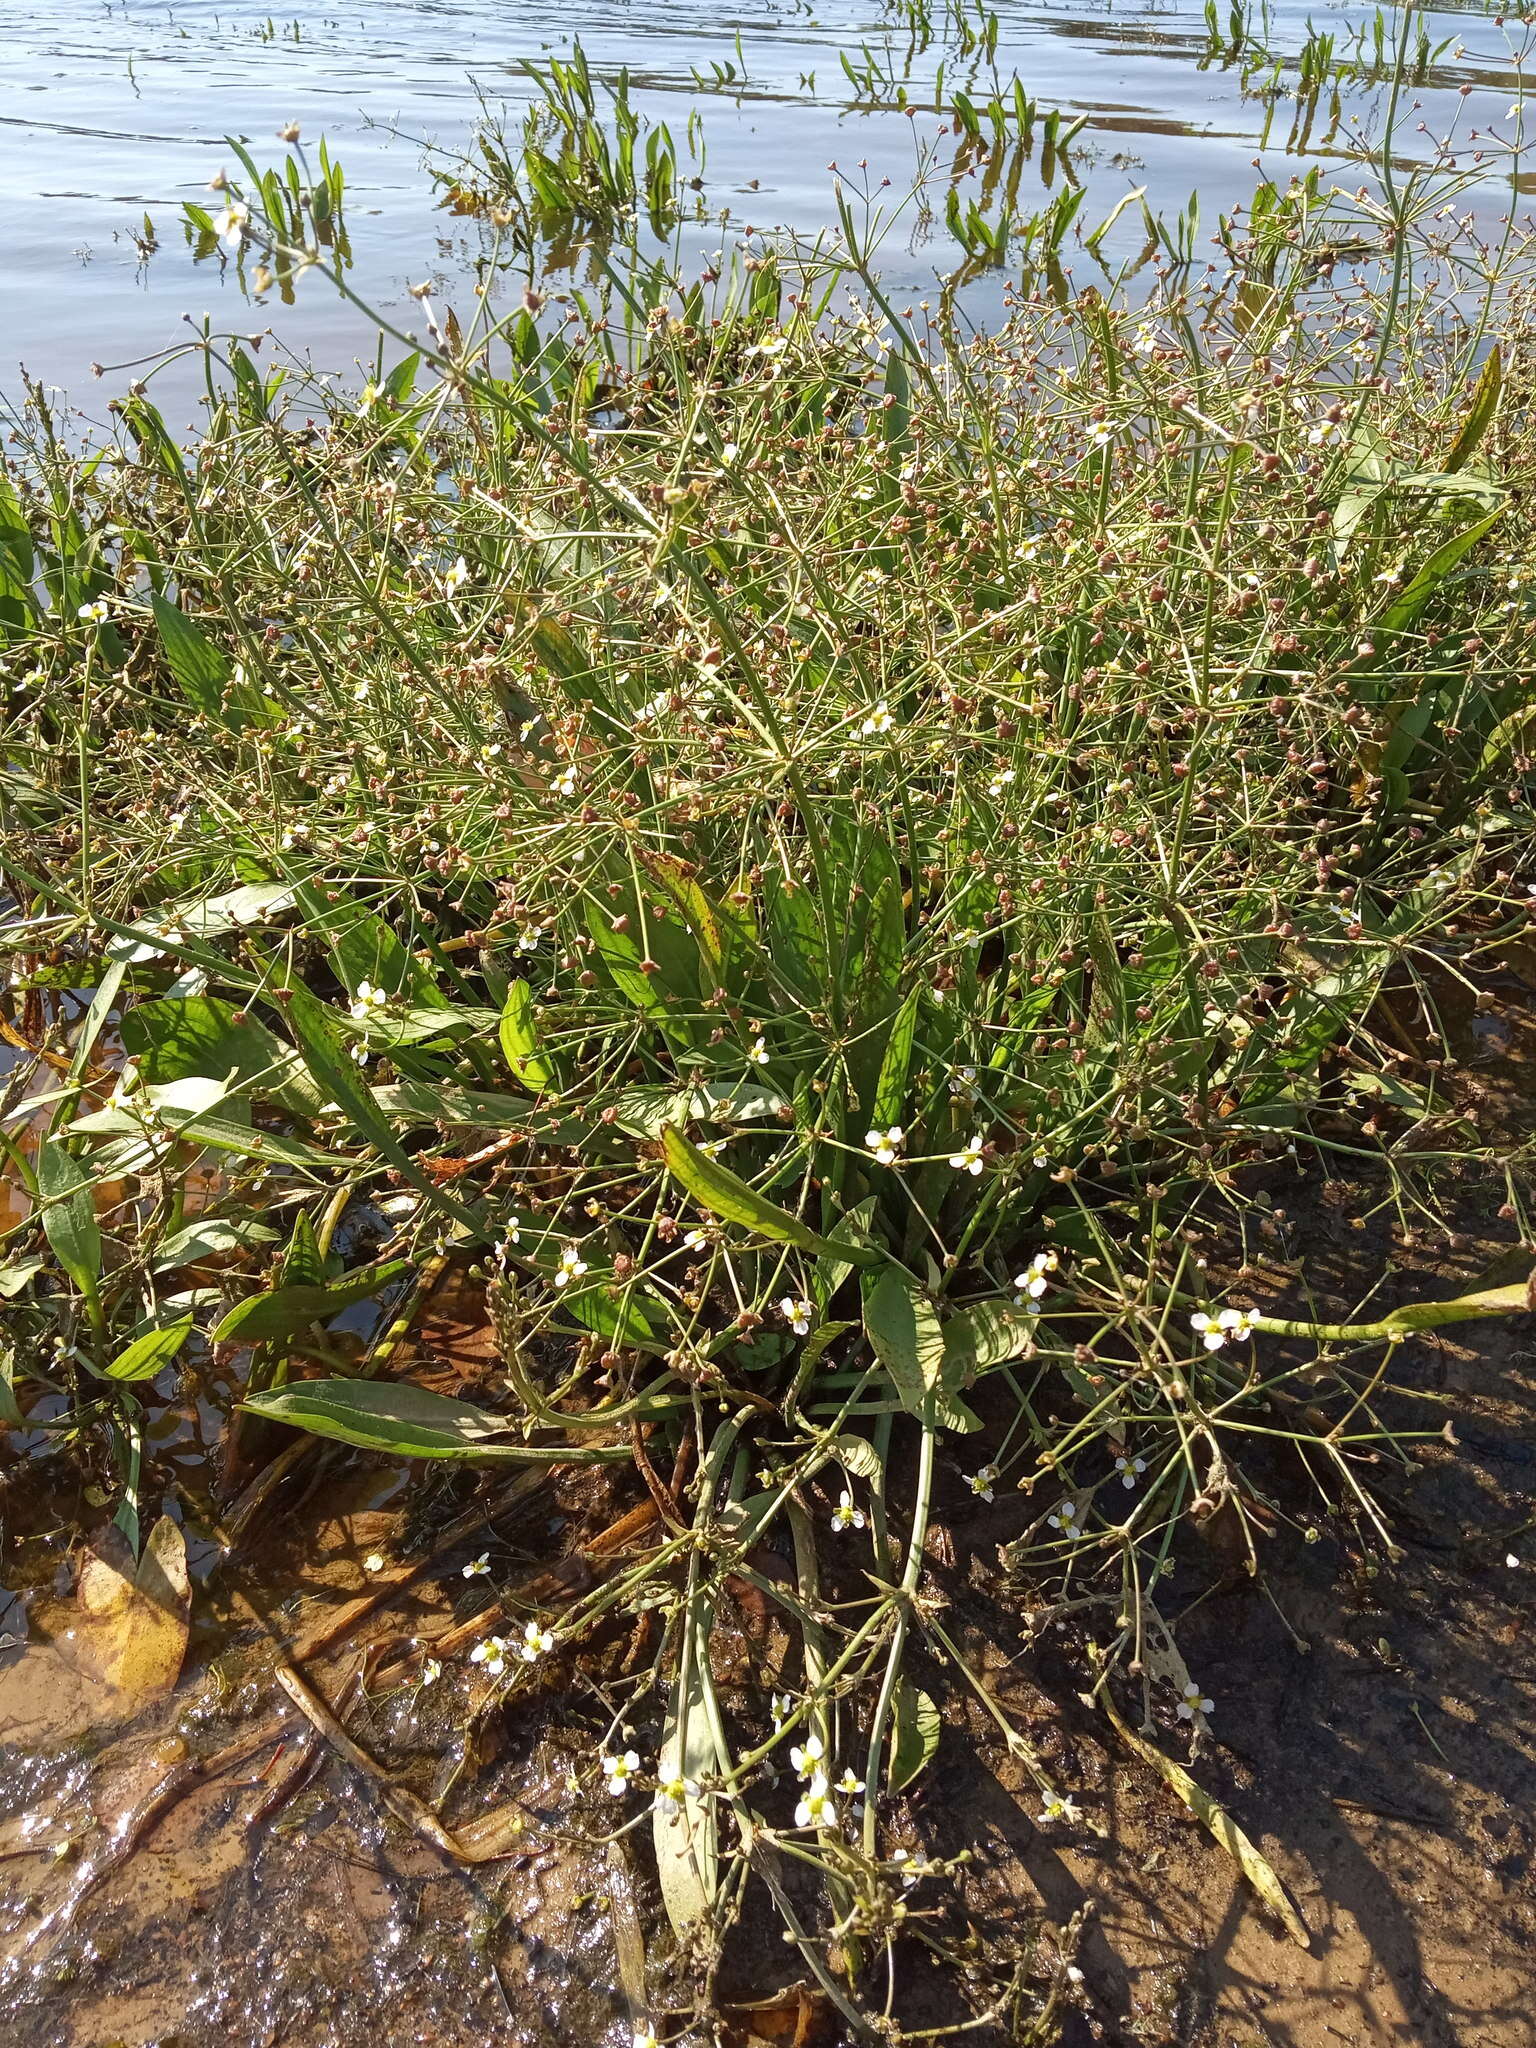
[1255,1866]
[130,1632]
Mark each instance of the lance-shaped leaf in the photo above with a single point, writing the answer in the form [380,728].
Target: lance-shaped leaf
[286,1310]
[685,1831]
[521,1045]
[66,1192]
[145,1356]
[410,1422]
[727,1195]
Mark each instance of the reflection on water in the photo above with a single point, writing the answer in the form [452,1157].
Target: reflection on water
[115,116]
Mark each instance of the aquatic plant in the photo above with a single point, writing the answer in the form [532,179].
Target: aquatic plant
[809,850]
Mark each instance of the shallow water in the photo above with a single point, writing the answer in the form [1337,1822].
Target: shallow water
[114,112]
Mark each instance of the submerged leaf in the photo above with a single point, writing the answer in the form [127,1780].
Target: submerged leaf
[130,1631]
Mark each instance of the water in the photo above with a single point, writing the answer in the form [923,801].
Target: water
[120,110]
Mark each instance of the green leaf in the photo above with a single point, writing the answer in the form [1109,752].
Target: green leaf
[303,1261]
[410,1422]
[850,1231]
[987,1334]
[210,917]
[621,956]
[364,948]
[903,1327]
[14,1278]
[337,1075]
[66,1193]
[200,670]
[217,1132]
[857,1456]
[145,1356]
[891,1089]
[725,1194]
[916,1729]
[521,1045]
[1407,605]
[284,1311]
[182,1035]
[10,1408]
[444,1102]
[206,1238]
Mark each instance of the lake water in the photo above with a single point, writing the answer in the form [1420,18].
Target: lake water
[114,112]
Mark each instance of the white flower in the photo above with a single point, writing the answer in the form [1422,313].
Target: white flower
[1065,1520]
[373,1562]
[480,1567]
[845,1515]
[818,1808]
[981,1482]
[431,1671]
[1232,1323]
[645,2037]
[1029,1285]
[1130,1469]
[758,1054]
[962,1082]
[618,1770]
[368,1002]
[456,577]
[492,1653]
[571,1267]
[1057,1807]
[808,1757]
[231,225]
[879,720]
[886,1145]
[1000,782]
[968,1159]
[1194,1702]
[797,1313]
[912,1868]
[695,1241]
[848,1785]
[93,614]
[564,784]
[671,1795]
[780,1710]
[537,1642]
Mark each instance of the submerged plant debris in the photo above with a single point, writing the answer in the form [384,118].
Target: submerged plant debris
[685,986]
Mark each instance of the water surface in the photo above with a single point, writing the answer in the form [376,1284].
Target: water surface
[114,112]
